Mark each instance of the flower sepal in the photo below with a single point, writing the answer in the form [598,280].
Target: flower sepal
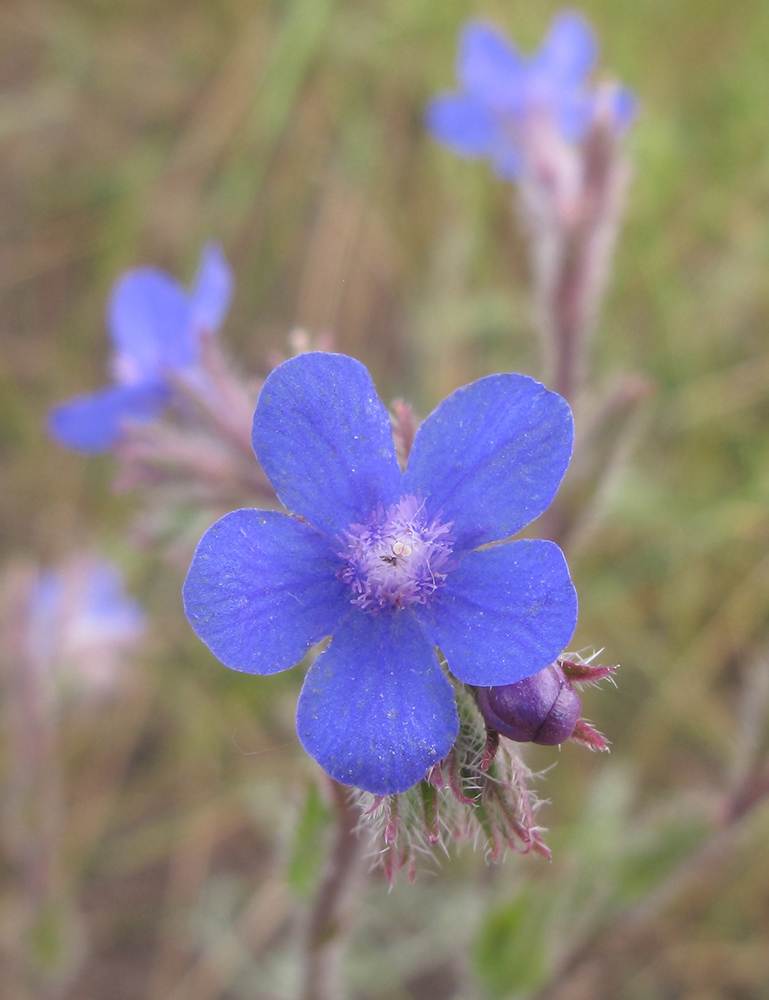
[471,795]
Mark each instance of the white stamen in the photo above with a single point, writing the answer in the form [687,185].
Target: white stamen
[396,558]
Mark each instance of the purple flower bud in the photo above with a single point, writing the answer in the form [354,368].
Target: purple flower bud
[541,709]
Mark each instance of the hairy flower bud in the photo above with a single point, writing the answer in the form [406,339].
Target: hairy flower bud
[541,709]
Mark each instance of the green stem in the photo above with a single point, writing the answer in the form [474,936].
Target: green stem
[338,893]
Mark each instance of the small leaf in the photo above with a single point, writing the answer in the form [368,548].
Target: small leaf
[308,847]
[509,953]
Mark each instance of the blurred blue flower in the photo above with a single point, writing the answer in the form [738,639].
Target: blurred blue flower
[156,327]
[390,564]
[504,93]
[81,621]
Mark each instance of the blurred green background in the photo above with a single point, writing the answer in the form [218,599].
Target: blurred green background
[131,132]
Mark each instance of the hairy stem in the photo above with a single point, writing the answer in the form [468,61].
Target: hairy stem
[573,230]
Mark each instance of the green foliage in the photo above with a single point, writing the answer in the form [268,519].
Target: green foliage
[309,845]
[510,951]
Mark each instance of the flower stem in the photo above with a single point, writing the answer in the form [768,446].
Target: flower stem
[573,234]
[32,820]
[338,892]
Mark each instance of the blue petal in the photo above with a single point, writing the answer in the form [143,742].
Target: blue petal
[624,108]
[491,457]
[463,124]
[94,423]
[568,53]
[505,613]
[489,67]
[262,590]
[324,439]
[507,160]
[376,710]
[212,290]
[150,323]
[45,612]
[107,610]
[575,115]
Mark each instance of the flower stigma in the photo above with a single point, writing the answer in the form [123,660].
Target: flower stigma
[398,557]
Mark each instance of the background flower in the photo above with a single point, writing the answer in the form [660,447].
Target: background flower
[156,327]
[81,623]
[506,96]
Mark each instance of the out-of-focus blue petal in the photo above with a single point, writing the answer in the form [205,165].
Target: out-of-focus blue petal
[507,161]
[44,617]
[94,423]
[575,116]
[150,323]
[81,614]
[491,457]
[463,124]
[489,67]
[262,590]
[324,438]
[376,710]
[624,108]
[107,610]
[212,289]
[505,613]
[567,55]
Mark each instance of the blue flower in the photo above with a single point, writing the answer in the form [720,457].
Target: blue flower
[390,564]
[156,328]
[504,94]
[81,621]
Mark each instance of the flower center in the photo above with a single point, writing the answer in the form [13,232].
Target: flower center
[397,558]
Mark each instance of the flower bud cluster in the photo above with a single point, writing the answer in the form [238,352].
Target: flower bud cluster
[481,792]
[466,797]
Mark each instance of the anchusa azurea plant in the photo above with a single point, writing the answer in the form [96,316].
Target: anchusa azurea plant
[510,106]
[391,564]
[444,634]
[157,329]
[68,639]
[81,624]
[176,414]
[396,546]
[542,124]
